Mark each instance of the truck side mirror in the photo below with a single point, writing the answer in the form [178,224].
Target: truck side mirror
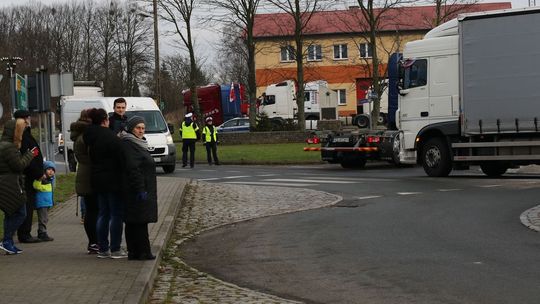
[171,128]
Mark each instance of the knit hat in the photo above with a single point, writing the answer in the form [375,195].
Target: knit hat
[49,165]
[188,115]
[209,118]
[21,114]
[133,121]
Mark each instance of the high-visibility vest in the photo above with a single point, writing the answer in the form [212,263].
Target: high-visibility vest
[209,135]
[189,132]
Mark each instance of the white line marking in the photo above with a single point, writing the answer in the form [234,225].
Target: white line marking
[447,190]
[368,197]
[309,181]
[263,175]
[233,177]
[357,179]
[408,193]
[490,186]
[208,179]
[271,184]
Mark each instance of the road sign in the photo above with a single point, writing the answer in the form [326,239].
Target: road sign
[22,97]
[61,84]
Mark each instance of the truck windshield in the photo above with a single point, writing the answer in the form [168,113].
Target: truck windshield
[155,123]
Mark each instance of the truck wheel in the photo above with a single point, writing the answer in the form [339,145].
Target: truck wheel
[395,150]
[72,163]
[493,169]
[169,168]
[436,158]
[382,119]
[353,163]
[361,121]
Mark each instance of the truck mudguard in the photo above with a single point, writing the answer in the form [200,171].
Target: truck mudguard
[447,129]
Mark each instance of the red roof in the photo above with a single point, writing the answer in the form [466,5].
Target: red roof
[352,21]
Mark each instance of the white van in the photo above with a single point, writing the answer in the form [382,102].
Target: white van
[158,135]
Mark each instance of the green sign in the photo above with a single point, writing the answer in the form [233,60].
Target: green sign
[22,97]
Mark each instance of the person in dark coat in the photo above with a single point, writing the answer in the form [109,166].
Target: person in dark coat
[106,156]
[118,119]
[140,190]
[12,163]
[83,186]
[32,172]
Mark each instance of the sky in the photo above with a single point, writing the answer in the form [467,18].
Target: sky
[207,38]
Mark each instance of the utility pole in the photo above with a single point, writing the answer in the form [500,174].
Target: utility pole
[156,54]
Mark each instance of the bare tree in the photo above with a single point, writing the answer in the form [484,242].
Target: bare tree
[241,14]
[175,74]
[373,15]
[135,43]
[105,42]
[301,12]
[448,9]
[233,62]
[179,13]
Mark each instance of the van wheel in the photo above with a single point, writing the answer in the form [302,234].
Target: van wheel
[436,158]
[494,169]
[169,168]
[72,162]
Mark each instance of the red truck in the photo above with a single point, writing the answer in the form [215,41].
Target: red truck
[219,101]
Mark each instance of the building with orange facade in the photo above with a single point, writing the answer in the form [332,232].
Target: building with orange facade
[336,47]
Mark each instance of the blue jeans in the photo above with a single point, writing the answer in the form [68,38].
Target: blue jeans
[12,222]
[111,212]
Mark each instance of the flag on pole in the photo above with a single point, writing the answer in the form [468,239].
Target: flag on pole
[232,95]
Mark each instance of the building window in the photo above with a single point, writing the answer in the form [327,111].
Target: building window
[287,53]
[341,97]
[314,52]
[340,51]
[366,50]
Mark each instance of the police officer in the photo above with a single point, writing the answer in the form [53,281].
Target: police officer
[189,138]
[209,135]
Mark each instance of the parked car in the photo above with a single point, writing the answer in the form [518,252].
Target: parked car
[234,125]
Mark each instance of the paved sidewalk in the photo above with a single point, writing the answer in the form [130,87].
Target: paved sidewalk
[62,272]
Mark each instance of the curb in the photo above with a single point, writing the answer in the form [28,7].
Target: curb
[141,287]
[337,199]
[531,218]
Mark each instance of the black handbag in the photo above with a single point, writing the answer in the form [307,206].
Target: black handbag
[12,193]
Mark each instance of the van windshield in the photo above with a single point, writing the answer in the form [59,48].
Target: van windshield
[154,120]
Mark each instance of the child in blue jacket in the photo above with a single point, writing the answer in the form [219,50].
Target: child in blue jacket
[44,199]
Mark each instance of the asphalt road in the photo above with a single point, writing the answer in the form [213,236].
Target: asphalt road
[397,237]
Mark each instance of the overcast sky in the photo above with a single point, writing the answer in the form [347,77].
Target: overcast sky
[206,38]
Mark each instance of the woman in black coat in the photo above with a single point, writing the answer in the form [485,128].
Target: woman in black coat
[139,190]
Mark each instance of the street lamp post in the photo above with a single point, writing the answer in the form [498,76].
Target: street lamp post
[156,54]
